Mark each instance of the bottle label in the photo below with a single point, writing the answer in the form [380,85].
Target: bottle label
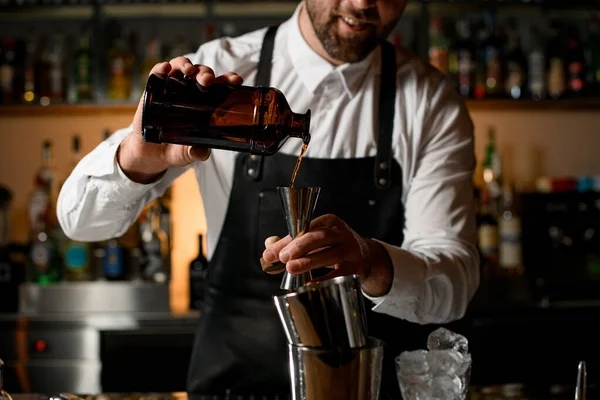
[515,79]
[76,256]
[488,240]
[536,72]
[465,67]
[40,256]
[113,263]
[7,73]
[493,65]
[556,77]
[510,243]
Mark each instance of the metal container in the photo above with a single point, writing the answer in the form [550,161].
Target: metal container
[336,374]
[329,314]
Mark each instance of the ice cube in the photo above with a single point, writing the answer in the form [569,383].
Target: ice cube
[445,362]
[415,391]
[412,363]
[445,388]
[444,339]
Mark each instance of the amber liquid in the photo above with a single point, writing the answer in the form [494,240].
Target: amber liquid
[298,162]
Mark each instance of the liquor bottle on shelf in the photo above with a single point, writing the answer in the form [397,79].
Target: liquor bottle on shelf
[492,58]
[510,254]
[537,66]
[83,73]
[465,59]
[439,45]
[57,63]
[556,69]
[42,70]
[242,118]
[154,246]
[77,255]
[487,235]
[114,261]
[152,57]
[516,64]
[576,68]
[43,261]
[121,60]
[492,171]
[198,273]
[7,70]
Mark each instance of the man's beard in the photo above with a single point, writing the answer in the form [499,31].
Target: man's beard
[353,48]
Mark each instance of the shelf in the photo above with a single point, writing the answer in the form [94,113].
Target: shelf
[61,110]
[575,105]
[572,105]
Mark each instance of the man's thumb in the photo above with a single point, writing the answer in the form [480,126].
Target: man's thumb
[197,153]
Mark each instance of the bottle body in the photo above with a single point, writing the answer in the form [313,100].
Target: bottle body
[257,120]
[198,273]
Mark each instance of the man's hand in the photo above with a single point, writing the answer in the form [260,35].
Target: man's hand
[144,162]
[331,243]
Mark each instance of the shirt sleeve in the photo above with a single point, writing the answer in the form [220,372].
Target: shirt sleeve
[436,270]
[98,201]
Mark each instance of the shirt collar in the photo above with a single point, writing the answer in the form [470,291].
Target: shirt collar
[314,69]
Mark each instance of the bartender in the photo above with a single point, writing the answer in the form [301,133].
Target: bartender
[391,148]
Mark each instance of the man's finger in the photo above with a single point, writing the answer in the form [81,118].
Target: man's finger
[198,153]
[230,78]
[182,64]
[311,240]
[205,75]
[271,253]
[326,221]
[161,68]
[271,240]
[328,257]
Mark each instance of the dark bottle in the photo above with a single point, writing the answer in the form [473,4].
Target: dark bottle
[556,69]
[537,67]
[465,54]
[576,73]
[492,58]
[487,235]
[198,272]
[250,119]
[516,65]
[114,261]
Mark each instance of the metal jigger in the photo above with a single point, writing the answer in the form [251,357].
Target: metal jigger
[298,205]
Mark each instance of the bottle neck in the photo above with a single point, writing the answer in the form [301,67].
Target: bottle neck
[300,126]
[200,244]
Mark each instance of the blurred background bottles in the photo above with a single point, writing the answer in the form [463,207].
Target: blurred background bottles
[143,252]
[44,261]
[485,53]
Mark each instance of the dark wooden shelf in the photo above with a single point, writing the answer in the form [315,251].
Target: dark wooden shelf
[61,110]
[591,104]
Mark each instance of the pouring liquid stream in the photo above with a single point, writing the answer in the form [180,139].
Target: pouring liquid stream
[298,162]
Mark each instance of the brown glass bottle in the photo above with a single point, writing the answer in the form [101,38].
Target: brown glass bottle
[250,119]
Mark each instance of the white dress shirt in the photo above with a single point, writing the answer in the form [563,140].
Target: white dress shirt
[435,270]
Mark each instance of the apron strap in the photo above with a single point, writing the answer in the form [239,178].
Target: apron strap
[254,163]
[387,103]
[387,106]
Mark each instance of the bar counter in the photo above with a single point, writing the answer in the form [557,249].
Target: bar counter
[493,392]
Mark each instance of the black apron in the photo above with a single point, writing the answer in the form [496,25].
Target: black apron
[240,344]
